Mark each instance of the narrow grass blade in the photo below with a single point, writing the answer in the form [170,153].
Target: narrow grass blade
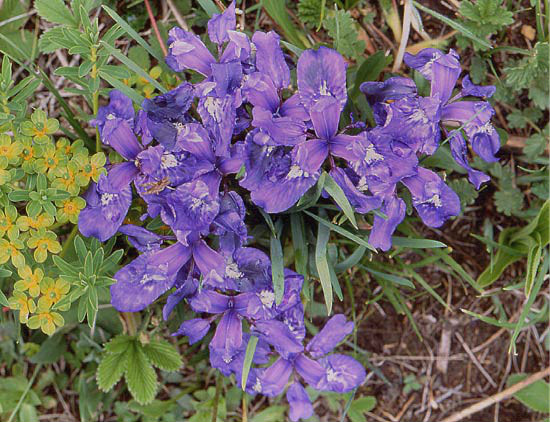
[133,34]
[390,277]
[321,262]
[122,87]
[351,260]
[429,288]
[132,66]
[278,12]
[248,357]
[455,266]
[209,7]
[299,242]
[407,242]
[453,24]
[342,231]
[336,192]
[530,299]
[277,268]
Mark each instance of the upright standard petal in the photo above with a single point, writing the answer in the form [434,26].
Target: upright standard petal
[219,24]
[445,73]
[321,73]
[423,61]
[298,400]
[470,89]
[279,336]
[141,238]
[120,110]
[334,331]
[270,59]
[325,116]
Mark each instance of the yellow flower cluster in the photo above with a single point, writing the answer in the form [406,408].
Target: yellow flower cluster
[41,179]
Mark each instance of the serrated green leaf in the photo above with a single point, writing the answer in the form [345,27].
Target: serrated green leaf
[465,191]
[509,200]
[140,375]
[163,355]
[110,370]
[359,407]
[119,344]
[340,26]
[248,358]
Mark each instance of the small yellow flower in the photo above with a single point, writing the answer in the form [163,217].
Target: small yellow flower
[67,179]
[69,209]
[45,318]
[51,161]
[67,148]
[11,249]
[43,242]
[29,153]
[9,150]
[93,168]
[8,221]
[39,127]
[29,281]
[20,302]
[52,292]
[41,221]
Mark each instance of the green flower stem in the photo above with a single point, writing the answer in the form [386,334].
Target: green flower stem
[68,242]
[131,322]
[24,395]
[216,398]
[95,96]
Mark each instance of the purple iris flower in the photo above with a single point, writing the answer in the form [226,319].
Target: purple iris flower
[229,223]
[107,203]
[278,176]
[380,161]
[228,337]
[434,201]
[355,190]
[119,111]
[142,281]
[162,117]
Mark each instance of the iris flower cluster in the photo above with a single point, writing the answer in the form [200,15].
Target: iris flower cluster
[183,149]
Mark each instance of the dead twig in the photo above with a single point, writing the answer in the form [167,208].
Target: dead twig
[497,398]
[155,27]
[475,360]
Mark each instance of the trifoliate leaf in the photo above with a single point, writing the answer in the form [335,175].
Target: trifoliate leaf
[140,375]
[110,370]
[535,146]
[341,28]
[55,11]
[163,355]
[465,191]
[524,72]
[519,119]
[509,201]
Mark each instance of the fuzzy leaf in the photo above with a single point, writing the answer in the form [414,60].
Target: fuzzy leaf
[341,28]
[140,375]
[110,370]
[163,355]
